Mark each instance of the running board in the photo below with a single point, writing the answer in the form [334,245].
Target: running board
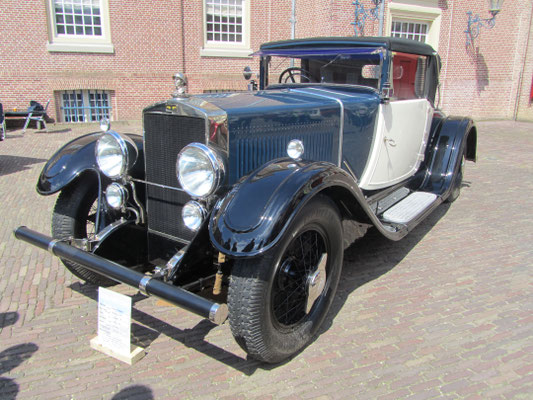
[409,208]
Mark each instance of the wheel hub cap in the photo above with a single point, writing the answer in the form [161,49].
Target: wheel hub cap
[316,282]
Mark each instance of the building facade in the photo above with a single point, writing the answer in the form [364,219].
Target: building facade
[96,58]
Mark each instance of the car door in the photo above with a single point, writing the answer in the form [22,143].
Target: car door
[402,126]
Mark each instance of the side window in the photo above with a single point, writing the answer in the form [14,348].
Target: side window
[79,26]
[409,73]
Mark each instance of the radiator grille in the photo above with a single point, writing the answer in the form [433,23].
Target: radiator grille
[164,136]
[164,208]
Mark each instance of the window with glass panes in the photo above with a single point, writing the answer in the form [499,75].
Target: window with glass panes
[78,17]
[224,22]
[85,105]
[410,30]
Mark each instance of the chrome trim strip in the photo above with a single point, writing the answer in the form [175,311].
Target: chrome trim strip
[157,184]
[174,238]
[349,170]
[52,244]
[341,124]
[142,284]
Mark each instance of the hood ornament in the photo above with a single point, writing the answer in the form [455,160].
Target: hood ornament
[180,82]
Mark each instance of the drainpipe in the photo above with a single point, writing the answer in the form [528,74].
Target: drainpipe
[183,37]
[444,80]
[293,25]
[381,18]
[293,20]
[520,80]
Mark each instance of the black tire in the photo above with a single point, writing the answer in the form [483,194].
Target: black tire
[73,217]
[264,289]
[457,182]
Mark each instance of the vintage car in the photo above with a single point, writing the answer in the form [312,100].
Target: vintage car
[232,205]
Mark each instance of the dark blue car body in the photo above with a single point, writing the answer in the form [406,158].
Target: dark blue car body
[343,104]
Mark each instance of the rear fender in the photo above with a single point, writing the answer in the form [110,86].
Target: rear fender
[74,159]
[452,137]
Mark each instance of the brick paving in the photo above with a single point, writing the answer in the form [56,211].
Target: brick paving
[444,313]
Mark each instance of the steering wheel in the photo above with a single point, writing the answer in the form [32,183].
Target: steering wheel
[290,74]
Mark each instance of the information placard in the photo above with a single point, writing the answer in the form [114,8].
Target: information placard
[114,321]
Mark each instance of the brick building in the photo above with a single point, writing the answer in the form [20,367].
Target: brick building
[94,57]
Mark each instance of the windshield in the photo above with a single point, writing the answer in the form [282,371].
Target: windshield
[337,66]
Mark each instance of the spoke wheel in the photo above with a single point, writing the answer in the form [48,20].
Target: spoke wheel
[290,287]
[278,301]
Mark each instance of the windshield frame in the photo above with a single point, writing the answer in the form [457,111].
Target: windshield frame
[332,54]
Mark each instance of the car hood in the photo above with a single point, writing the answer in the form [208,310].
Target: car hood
[261,123]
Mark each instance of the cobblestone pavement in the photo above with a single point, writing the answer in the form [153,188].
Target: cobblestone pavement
[444,313]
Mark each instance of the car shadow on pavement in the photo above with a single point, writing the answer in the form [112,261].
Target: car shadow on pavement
[11,358]
[152,327]
[372,256]
[11,164]
[136,392]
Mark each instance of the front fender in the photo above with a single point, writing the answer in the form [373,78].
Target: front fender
[75,158]
[453,136]
[253,216]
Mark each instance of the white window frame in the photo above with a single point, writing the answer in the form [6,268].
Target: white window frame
[228,49]
[428,14]
[79,43]
[409,33]
[85,111]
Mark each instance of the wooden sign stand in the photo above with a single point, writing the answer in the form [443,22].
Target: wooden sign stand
[114,327]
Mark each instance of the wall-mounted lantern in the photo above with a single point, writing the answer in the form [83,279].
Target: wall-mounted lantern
[361,14]
[476,22]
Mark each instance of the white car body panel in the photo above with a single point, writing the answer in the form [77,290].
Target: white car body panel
[399,143]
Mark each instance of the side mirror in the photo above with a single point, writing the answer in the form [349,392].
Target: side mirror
[247,73]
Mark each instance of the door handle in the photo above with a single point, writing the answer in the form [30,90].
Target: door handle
[390,142]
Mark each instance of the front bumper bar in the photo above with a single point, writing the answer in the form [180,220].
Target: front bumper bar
[216,313]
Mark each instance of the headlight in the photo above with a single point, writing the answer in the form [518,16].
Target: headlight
[193,214]
[116,195]
[115,154]
[199,170]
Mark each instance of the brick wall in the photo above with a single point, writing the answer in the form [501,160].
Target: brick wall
[139,72]
[491,79]
[153,40]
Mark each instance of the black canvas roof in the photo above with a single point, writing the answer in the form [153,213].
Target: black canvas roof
[391,43]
